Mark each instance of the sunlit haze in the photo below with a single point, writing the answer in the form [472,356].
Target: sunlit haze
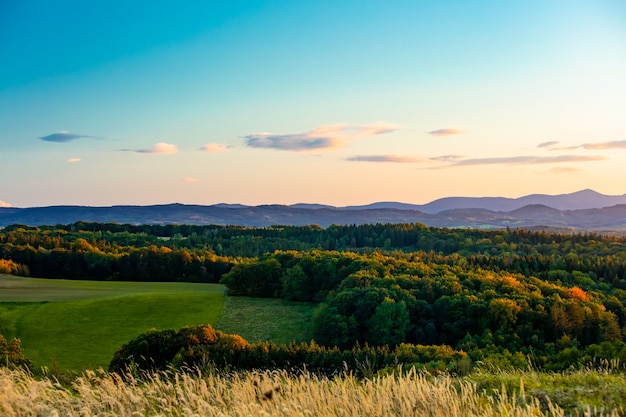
[331,102]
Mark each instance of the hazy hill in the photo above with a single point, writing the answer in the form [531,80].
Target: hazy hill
[586,210]
[585,199]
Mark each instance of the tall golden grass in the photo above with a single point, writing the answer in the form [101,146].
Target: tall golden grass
[97,393]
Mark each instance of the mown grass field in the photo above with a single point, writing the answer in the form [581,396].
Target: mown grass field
[273,319]
[74,325]
[19,289]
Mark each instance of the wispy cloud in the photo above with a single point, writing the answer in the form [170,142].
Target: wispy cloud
[72,160]
[548,144]
[5,204]
[616,144]
[191,179]
[214,148]
[157,149]
[324,137]
[65,136]
[564,170]
[528,160]
[445,132]
[446,158]
[385,158]
[374,129]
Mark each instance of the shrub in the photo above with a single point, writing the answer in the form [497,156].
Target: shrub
[7,266]
[197,347]
[160,349]
[11,353]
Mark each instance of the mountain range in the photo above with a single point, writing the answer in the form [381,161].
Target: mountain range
[582,210]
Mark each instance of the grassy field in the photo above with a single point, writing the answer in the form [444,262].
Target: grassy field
[257,319]
[598,389]
[277,393]
[21,289]
[75,325]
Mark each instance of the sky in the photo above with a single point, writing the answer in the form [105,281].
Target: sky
[336,102]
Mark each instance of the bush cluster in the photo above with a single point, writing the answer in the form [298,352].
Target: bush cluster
[202,347]
[11,353]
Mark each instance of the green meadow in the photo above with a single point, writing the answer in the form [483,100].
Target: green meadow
[273,319]
[74,325]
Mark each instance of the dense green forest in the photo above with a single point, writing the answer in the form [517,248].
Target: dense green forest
[550,298]
[203,253]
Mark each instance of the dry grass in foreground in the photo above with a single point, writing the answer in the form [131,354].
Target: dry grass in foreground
[261,394]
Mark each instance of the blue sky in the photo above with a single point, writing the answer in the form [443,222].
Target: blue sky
[335,102]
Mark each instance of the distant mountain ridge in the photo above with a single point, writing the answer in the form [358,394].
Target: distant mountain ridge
[580,200]
[582,210]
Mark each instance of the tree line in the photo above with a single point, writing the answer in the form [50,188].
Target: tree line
[203,253]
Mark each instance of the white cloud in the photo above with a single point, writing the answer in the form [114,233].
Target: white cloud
[446,158]
[528,160]
[65,136]
[616,144]
[385,158]
[72,160]
[215,148]
[378,128]
[158,149]
[548,144]
[324,137]
[445,132]
[5,204]
[191,179]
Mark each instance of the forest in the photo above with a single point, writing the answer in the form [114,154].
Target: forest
[510,296]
